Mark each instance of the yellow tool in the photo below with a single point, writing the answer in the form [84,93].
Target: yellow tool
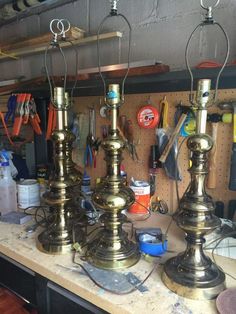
[164,108]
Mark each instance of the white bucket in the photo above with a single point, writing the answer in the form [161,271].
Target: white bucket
[28,193]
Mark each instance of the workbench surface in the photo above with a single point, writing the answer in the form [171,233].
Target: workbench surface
[19,246]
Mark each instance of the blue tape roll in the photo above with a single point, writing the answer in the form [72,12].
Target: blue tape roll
[149,244]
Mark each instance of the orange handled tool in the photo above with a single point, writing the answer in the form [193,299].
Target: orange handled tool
[19,114]
[51,121]
[6,129]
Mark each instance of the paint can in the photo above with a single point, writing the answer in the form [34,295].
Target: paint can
[142,197]
[28,193]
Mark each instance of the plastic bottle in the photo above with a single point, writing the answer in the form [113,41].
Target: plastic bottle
[8,199]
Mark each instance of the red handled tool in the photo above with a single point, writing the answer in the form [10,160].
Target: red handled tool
[51,121]
[34,117]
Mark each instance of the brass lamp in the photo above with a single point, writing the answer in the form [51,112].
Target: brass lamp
[64,186]
[111,248]
[192,274]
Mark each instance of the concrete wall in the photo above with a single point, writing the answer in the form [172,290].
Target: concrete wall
[160,31]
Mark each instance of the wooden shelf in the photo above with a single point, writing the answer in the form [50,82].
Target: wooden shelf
[28,50]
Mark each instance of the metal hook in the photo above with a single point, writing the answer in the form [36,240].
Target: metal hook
[206,8]
[63,23]
[56,32]
[209,14]
[191,96]
[114,7]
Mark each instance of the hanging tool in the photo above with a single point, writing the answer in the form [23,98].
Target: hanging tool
[25,118]
[89,154]
[148,116]
[34,117]
[172,138]
[19,113]
[11,107]
[96,145]
[159,205]
[129,132]
[232,180]
[51,121]
[189,125]
[6,129]
[170,165]
[214,118]
[164,108]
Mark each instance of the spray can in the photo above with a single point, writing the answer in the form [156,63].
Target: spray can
[8,199]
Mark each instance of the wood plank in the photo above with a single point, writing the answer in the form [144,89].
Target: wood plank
[78,42]
[137,71]
[72,34]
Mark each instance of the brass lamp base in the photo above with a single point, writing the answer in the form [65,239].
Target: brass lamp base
[199,284]
[55,242]
[107,254]
[50,243]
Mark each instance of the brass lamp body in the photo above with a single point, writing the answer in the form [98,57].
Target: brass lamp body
[111,249]
[192,274]
[64,187]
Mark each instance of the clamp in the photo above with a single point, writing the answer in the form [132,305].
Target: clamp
[34,117]
[11,107]
[19,113]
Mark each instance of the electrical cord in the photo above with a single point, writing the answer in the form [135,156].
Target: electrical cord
[218,241]
[42,219]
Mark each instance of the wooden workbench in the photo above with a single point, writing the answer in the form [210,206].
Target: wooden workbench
[20,247]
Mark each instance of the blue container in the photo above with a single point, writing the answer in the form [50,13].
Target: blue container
[149,244]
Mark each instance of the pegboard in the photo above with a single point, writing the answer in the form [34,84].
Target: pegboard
[165,188]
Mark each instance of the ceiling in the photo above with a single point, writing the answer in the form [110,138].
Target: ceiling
[11,10]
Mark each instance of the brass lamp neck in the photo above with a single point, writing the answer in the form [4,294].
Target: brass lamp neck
[203,95]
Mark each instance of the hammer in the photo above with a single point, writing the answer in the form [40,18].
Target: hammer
[232,180]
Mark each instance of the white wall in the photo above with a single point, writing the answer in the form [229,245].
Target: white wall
[160,30]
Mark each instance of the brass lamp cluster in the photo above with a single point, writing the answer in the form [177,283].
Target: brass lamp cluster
[191,274]
[111,248]
[64,187]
